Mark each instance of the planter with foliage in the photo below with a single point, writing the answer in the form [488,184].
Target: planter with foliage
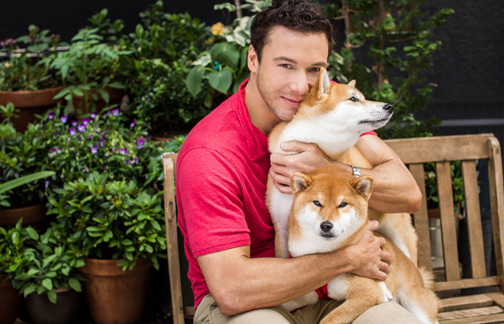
[103,194]
[21,178]
[44,271]
[25,77]
[164,46]
[89,68]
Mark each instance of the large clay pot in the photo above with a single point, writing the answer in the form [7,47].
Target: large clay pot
[115,296]
[115,98]
[43,311]
[35,216]
[10,301]
[29,103]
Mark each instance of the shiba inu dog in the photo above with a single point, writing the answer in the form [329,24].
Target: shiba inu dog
[333,116]
[329,212]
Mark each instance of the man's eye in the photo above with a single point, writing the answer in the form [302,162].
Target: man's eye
[285,65]
[353,99]
[317,203]
[342,205]
[315,70]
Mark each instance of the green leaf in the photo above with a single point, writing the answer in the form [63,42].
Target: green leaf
[29,289]
[221,81]
[32,272]
[226,54]
[74,284]
[47,283]
[32,233]
[9,185]
[52,296]
[194,80]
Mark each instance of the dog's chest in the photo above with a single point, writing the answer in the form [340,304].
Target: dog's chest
[338,287]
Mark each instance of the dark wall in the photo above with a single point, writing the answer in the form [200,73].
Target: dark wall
[65,17]
[469,69]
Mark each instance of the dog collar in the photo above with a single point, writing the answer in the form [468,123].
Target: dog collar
[355,171]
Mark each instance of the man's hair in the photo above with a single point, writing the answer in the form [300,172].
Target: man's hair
[298,15]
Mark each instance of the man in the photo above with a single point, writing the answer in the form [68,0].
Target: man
[222,170]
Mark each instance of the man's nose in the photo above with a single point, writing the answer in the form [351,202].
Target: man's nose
[300,85]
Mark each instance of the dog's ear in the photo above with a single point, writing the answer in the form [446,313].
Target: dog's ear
[323,84]
[300,181]
[363,185]
[352,83]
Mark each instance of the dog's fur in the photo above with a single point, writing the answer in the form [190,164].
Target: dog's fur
[333,116]
[330,212]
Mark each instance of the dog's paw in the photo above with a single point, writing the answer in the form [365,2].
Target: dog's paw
[308,299]
[387,295]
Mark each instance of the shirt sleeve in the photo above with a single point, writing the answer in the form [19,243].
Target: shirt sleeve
[210,203]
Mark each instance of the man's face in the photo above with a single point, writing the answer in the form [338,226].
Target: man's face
[289,67]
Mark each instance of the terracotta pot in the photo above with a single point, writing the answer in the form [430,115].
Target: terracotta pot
[10,301]
[29,103]
[35,216]
[115,296]
[115,98]
[43,311]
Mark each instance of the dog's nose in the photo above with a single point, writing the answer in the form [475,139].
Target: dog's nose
[388,107]
[326,226]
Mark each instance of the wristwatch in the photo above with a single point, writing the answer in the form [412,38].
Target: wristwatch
[355,171]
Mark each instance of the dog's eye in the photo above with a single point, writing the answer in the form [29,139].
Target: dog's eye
[317,203]
[353,99]
[342,205]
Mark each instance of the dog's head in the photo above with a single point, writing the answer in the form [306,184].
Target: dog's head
[329,207]
[344,107]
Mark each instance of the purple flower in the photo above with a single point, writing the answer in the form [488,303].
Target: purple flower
[64,119]
[123,151]
[81,128]
[101,142]
[92,116]
[47,183]
[50,116]
[74,123]
[115,112]
[107,154]
[140,143]
[85,121]
[94,149]
[72,131]
[133,124]
[90,136]
[86,169]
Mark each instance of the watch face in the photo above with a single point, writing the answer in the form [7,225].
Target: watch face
[356,171]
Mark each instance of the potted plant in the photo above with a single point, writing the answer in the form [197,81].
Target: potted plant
[43,270]
[25,77]
[104,198]
[164,45]
[20,157]
[11,242]
[90,70]
[222,67]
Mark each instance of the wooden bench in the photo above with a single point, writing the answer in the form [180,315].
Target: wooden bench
[485,307]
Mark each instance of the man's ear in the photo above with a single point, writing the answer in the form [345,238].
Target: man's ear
[363,185]
[352,83]
[300,181]
[252,59]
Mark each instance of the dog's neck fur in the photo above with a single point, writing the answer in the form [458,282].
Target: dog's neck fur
[334,141]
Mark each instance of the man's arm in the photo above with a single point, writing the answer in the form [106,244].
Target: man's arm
[239,283]
[394,190]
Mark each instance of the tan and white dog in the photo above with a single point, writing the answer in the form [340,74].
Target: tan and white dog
[333,116]
[330,211]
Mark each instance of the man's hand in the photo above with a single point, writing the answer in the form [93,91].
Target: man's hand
[301,157]
[367,256]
